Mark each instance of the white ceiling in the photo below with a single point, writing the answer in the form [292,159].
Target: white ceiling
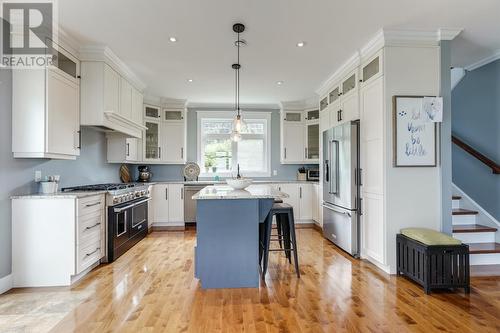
[138,32]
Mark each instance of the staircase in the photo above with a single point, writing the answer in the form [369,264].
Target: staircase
[483,248]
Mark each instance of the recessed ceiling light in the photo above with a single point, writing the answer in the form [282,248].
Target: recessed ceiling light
[190,80]
[173,39]
[279,83]
[301,44]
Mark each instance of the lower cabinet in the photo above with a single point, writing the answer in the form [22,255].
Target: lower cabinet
[55,240]
[301,198]
[168,204]
[315,203]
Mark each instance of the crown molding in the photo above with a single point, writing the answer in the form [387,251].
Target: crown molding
[172,103]
[484,61]
[448,33]
[293,105]
[351,63]
[389,37]
[105,54]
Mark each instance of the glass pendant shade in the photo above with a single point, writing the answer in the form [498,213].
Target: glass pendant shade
[238,124]
[235,136]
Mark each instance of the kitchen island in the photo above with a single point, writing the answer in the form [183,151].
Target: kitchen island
[227,234]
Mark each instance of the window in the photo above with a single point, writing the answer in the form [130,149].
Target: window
[218,155]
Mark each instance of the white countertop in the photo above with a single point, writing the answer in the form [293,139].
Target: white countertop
[59,195]
[251,192]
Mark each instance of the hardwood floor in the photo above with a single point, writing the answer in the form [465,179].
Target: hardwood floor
[151,289]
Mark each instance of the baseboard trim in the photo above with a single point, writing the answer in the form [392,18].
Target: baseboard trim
[167,228]
[317,227]
[5,284]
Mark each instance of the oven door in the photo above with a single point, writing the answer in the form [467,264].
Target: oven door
[119,220]
[139,220]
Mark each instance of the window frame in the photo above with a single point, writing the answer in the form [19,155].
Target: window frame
[258,115]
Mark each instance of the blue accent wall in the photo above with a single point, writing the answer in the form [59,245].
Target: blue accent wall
[18,174]
[476,120]
[174,172]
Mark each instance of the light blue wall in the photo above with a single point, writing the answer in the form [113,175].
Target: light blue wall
[174,172]
[476,120]
[18,174]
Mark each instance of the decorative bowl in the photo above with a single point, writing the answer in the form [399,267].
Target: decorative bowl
[239,184]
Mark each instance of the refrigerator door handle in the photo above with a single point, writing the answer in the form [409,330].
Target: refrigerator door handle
[327,171]
[332,208]
[334,184]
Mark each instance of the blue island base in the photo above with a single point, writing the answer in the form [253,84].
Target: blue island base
[227,249]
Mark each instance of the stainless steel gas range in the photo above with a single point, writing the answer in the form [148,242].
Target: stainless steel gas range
[127,215]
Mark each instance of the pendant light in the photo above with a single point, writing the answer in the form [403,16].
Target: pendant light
[238,124]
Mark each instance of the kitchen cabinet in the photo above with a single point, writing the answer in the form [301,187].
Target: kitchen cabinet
[46,110]
[175,203]
[372,68]
[152,112]
[305,201]
[350,83]
[74,245]
[301,198]
[312,115]
[173,143]
[293,197]
[125,99]
[168,204]
[160,203]
[312,142]
[315,203]
[349,108]
[121,149]
[109,100]
[293,143]
[152,149]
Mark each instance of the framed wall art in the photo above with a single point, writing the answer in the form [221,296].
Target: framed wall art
[414,136]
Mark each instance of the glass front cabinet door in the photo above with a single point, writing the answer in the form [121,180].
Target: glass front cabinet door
[152,148]
[295,116]
[173,115]
[371,69]
[312,145]
[152,112]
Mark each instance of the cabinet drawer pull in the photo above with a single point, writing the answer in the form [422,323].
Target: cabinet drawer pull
[91,253]
[182,152]
[94,204]
[166,193]
[91,227]
[285,154]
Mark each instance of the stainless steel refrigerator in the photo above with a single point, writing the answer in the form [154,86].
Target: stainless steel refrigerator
[341,181]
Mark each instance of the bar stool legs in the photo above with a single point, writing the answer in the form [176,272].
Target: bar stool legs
[284,214]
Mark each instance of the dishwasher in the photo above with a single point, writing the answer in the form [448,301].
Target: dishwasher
[189,203]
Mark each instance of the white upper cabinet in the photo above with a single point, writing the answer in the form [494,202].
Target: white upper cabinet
[300,131]
[110,96]
[372,68]
[152,112]
[152,148]
[46,109]
[111,84]
[122,149]
[350,83]
[293,143]
[165,135]
[125,99]
[173,143]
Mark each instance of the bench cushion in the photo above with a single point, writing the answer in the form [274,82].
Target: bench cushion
[429,236]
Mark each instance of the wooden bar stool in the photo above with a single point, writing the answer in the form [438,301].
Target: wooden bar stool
[283,212]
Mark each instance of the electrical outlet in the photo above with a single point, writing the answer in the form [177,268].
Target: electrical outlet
[275,172]
[38,176]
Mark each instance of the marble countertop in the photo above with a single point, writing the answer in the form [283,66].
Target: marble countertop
[58,195]
[251,192]
[223,182]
